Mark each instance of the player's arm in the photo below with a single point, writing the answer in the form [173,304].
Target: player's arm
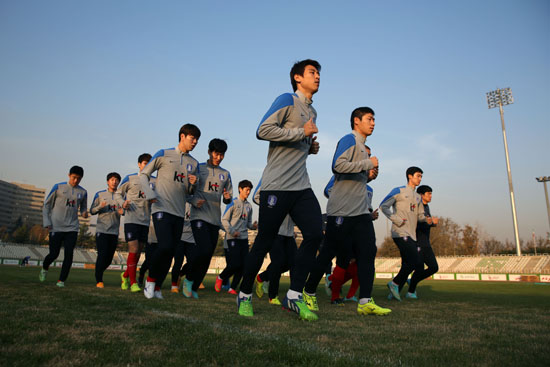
[228,190]
[226,219]
[421,216]
[272,125]
[342,161]
[83,205]
[387,207]
[249,223]
[146,173]
[97,205]
[48,207]
[328,187]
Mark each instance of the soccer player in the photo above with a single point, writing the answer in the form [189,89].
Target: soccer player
[60,216]
[349,223]
[214,184]
[289,126]
[403,206]
[424,247]
[176,179]
[236,221]
[108,205]
[137,217]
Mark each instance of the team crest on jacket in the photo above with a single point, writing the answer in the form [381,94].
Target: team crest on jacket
[189,167]
[222,177]
[271,201]
[339,221]
[79,196]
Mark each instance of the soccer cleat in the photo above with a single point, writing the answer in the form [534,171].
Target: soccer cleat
[337,302]
[149,290]
[158,294]
[194,294]
[410,295]
[42,275]
[328,285]
[174,289]
[60,284]
[100,285]
[218,285]
[390,296]
[351,299]
[394,289]
[371,308]
[259,286]
[244,305]
[232,291]
[311,302]
[300,307]
[187,285]
[275,301]
[125,282]
[135,288]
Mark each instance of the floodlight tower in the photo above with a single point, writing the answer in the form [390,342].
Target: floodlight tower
[545,179]
[499,98]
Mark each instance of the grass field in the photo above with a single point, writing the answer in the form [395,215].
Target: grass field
[452,324]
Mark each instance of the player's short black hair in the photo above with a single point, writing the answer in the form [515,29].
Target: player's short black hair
[144,157]
[245,183]
[298,69]
[359,112]
[411,171]
[76,170]
[217,145]
[113,174]
[422,189]
[189,129]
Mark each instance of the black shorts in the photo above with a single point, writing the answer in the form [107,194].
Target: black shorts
[133,232]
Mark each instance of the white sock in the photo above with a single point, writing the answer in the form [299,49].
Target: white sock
[293,294]
[394,283]
[244,295]
[363,301]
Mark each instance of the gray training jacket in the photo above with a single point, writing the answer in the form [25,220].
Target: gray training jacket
[211,182]
[61,207]
[139,211]
[350,165]
[108,219]
[172,184]
[403,203]
[237,218]
[283,127]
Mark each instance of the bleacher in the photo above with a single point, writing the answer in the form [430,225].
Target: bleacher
[504,264]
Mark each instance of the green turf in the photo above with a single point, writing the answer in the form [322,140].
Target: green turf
[452,324]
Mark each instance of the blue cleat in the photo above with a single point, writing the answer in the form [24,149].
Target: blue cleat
[394,289]
[186,289]
[410,295]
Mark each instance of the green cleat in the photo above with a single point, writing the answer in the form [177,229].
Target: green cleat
[135,288]
[125,282]
[311,302]
[42,275]
[300,307]
[275,301]
[244,306]
[60,284]
[371,308]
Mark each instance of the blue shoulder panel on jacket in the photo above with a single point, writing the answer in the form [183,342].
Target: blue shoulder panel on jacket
[54,189]
[97,194]
[284,100]
[344,144]
[392,193]
[255,191]
[329,186]
[229,206]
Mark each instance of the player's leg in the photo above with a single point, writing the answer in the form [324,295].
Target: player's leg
[242,249]
[428,257]
[54,248]
[69,242]
[212,233]
[179,256]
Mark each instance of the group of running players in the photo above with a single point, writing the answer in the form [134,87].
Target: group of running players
[184,201]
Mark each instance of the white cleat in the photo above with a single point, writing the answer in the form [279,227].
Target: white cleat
[149,290]
[158,295]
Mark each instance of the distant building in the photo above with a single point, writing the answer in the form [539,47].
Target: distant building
[20,202]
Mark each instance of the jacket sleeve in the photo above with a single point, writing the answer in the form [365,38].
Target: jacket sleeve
[387,207]
[94,208]
[229,188]
[249,224]
[48,206]
[272,128]
[342,161]
[226,219]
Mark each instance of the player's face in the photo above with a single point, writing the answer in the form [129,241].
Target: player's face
[188,142]
[309,82]
[216,158]
[415,179]
[426,197]
[365,126]
[244,192]
[142,164]
[74,179]
[112,183]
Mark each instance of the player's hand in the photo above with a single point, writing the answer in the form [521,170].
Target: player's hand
[236,234]
[373,173]
[126,204]
[375,214]
[152,201]
[310,128]
[121,211]
[403,223]
[49,228]
[435,220]
[84,215]
[429,220]
[374,161]
[314,148]
[103,204]
[255,225]
[192,179]
[226,195]
[200,202]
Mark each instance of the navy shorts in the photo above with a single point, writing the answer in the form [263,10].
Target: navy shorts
[133,232]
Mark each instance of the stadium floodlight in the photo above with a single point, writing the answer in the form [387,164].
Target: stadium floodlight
[544,180]
[499,98]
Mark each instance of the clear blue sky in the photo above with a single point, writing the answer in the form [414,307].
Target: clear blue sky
[97,83]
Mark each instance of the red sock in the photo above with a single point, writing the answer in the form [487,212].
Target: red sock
[352,273]
[157,287]
[132,265]
[151,280]
[338,276]
[174,284]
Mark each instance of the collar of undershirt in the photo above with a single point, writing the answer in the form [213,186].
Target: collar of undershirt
[361,138]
